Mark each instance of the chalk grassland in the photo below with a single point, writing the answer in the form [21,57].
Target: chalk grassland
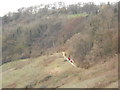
[77,15]
[53,72]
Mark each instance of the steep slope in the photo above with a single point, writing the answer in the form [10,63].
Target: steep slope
[53,72]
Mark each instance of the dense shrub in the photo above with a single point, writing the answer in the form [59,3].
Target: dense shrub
[79,46]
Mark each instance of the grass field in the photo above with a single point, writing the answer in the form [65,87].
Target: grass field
[52,71]
[77,15]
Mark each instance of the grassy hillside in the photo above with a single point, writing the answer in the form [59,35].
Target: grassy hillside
[52,72]
[34,38]
[77,15]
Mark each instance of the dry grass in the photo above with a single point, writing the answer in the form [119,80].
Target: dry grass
[31,73]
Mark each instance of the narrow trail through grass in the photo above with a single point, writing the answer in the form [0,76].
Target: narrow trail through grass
[51,71]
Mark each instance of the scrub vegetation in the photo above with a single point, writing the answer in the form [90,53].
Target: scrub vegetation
[34,38]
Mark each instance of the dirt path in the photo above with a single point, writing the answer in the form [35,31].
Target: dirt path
[55,73]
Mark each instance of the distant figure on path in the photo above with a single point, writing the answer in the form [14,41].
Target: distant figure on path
[70,59]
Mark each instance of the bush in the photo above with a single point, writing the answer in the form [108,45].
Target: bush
[79,46]
[107,41]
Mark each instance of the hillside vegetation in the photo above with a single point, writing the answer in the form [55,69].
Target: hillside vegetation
[52,72]
[85,32]
[34,38]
